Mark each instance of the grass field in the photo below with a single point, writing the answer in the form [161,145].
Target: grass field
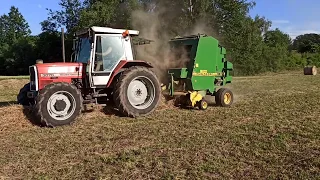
[271,132]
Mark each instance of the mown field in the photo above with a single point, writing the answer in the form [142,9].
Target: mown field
[271,132]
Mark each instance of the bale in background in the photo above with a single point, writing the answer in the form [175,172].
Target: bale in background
[310,70]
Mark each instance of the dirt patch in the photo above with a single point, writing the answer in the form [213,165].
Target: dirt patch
[14,118]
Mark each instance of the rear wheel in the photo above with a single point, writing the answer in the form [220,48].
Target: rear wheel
[58,104]
[224,97]
[137,92]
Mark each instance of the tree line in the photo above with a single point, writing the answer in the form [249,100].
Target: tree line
[251,45]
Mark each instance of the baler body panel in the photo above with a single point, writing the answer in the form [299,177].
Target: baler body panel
[206,69]
[229,67]
[208,64]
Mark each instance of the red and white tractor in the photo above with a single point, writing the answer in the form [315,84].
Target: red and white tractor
[103,67]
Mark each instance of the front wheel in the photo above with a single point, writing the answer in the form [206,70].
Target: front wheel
[137,92]
[203,104]
[58,104]
[22,97]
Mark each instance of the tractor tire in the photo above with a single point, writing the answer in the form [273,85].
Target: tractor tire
[22,97]
[224,97]
[133,85]
[58,104]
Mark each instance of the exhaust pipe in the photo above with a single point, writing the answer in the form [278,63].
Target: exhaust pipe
[63,48]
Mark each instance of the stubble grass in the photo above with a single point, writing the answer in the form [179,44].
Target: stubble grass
[272,131]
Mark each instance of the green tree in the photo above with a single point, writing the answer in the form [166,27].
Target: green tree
[14,26]
[276,52]
[68,16]
[99,13]
[48,46]
[274,38]
[241,35]
[16,49]
[305,43]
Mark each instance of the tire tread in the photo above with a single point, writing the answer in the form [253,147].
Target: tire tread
[41,98]
[120,94]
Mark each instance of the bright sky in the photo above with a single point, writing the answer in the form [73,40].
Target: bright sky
[294,17]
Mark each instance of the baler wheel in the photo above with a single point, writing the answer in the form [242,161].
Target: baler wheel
[137,92]
[224,97]
[203,104]
[58,104]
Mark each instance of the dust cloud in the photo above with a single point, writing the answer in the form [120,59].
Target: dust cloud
[157,27]
[158,52]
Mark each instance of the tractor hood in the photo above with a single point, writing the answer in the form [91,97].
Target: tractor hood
[55,70]
[44,74]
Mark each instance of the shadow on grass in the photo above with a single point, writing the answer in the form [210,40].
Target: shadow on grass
[9,103]
[27,111]
[111,110]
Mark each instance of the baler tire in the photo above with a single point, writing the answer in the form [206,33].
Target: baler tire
[219,97]
[203,104]
[42,100]
[22,97]
[120,91]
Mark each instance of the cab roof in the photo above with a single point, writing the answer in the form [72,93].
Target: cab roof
[107,30]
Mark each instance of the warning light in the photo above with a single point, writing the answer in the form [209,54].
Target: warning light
[125,34]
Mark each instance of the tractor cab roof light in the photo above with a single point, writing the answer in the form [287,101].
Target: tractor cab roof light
[125,34]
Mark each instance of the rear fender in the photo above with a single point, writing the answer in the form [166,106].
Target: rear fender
[123,64]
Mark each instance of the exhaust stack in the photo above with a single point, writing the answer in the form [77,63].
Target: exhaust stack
[63,48]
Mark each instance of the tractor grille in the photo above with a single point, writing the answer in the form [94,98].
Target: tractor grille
[33,78]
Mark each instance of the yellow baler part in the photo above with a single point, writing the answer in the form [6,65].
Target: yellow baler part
[164,87]
[195,97]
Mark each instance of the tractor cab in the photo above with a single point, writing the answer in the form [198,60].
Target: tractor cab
[100,50]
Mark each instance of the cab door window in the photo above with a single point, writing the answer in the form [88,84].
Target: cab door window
[109,51]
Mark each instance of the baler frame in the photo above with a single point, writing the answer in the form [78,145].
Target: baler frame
[204,73]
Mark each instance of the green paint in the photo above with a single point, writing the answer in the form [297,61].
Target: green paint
[207,67]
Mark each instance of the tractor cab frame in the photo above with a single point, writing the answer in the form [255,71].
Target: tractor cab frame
[102,50]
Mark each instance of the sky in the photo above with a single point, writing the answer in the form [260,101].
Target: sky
[294,17]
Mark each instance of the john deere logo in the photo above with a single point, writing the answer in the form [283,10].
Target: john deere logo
[205,73]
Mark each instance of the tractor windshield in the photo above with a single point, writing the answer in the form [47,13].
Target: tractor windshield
[83,50]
